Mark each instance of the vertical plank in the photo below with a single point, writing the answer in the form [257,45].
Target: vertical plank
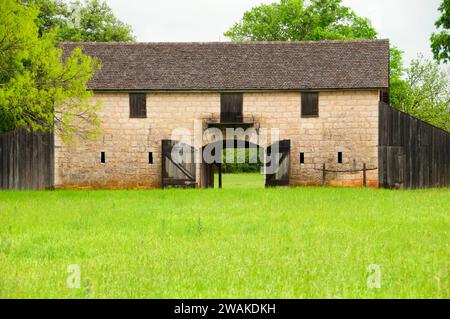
[381,168]
[26,160]
[411,153]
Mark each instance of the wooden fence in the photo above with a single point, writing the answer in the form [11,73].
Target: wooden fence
[412,153]
[364,171]
[26,160]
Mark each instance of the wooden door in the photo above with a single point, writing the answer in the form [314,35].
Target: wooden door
[180,171]
[231,105]
[278,164]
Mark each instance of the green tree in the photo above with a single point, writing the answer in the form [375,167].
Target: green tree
[398,84]
[241,160]
[440,41]
[52,14]
[38,89]
[424,92]
[292,20]
[90,20]
[421,90]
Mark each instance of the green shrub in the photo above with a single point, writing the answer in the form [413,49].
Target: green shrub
[233,162]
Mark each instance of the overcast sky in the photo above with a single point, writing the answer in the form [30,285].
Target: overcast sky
[407,23]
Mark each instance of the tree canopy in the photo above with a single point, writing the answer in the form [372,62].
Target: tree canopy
[90,20]
[292,20]
[397,84]
[423,91]
[440,40]
[38,90]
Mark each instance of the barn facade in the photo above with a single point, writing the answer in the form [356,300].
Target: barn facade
[322,97]
[324,100]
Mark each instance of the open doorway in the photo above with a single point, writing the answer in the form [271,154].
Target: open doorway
[241,168]
[238,165]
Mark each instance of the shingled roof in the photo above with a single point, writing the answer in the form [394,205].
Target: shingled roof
[246,66]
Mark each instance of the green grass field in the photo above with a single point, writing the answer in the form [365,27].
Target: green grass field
[230,243]
[243,180]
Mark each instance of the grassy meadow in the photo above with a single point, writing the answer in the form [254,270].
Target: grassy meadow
[241,180]
[230,243]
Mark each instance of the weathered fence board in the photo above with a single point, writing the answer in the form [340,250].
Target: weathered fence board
[412,153]
[26,160]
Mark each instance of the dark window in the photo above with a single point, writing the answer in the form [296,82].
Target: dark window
[138,105]
[302,158]
[310,104]
[150,158]
[340,157]
[231,107]
[102,157]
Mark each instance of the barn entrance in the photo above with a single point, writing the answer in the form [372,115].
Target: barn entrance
[242,164]
[232,164]
[257,167]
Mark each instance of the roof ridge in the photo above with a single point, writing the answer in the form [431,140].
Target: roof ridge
[230,43]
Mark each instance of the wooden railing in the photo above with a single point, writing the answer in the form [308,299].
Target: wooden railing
[364,170]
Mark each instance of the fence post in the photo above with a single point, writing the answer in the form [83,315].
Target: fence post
[220,174]
[324,178]
[364,176]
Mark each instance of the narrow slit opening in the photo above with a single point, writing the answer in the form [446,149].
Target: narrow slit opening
[150,158]
[340,157]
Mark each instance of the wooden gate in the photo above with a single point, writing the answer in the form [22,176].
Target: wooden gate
[178,164]
[278,164]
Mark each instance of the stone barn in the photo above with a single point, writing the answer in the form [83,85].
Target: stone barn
[325,100]
[323,97]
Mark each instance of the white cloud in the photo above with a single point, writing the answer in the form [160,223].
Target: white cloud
[408,23]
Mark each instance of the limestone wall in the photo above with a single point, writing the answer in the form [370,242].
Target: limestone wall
[347,122]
